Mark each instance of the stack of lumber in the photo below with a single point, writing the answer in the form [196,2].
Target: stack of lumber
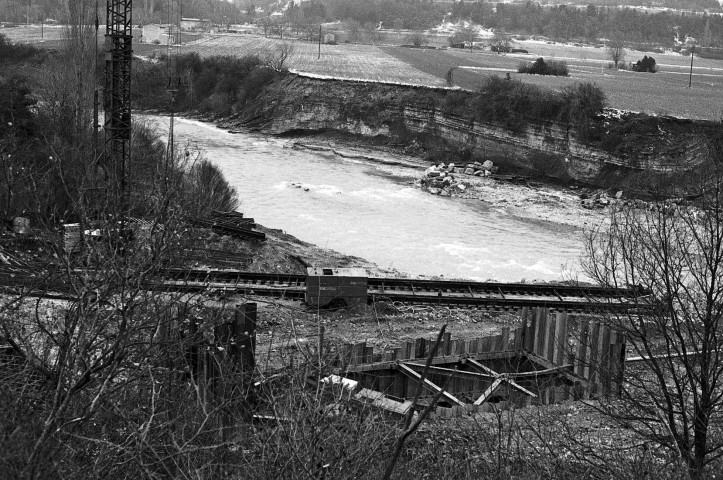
[230,223]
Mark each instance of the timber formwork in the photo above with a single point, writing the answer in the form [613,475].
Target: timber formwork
[547,359]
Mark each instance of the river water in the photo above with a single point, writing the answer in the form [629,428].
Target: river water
[364,209]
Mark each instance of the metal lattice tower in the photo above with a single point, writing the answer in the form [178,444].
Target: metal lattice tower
[117,96]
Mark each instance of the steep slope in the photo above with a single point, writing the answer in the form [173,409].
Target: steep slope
[618,149]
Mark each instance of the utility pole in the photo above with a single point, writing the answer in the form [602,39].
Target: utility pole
[690,79]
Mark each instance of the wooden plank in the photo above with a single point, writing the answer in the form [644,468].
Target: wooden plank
[550,340]
[489,392]
[428,384]
[409,350]
[505,339]
[592,366]
[529,340]
[358,353]
[379,400]
[519,337]
[419,348]
[561,338]
[454,347]
[605,356]
[446,339]
[541,334]
[369,355]
[582,348]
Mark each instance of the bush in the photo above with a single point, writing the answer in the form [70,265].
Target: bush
[647,64]
[513,103]
[541,67]
[14,52]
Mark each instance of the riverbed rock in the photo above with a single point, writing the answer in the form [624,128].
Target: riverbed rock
[433,190]
[488,164]
[461,187]
[469,171]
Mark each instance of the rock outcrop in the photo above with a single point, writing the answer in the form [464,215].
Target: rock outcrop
[627,147]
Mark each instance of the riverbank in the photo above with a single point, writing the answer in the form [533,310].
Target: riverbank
[535,200]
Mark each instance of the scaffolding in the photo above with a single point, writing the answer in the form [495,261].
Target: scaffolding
[117,96]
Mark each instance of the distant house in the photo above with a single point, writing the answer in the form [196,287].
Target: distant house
[154,33]
[462,45]
[196,25]
[157,33]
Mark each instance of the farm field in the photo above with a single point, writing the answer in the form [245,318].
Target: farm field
[34,33]
[665,92]
[366,62]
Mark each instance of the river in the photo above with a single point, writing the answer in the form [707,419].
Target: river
[371,211]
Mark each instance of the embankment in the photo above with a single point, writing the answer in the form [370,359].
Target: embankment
[606,149]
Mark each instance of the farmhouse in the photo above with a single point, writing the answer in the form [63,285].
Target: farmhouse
[155,33]
[195,25]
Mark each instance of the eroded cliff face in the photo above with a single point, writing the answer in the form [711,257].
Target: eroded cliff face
[622,146]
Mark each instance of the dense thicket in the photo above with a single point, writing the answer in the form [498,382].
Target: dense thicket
[144,11]
[541,67]
[49,159]
[514,104]
[591,23]
[220,85]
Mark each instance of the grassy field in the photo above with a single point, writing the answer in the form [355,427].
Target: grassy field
[665,92]
[365,62]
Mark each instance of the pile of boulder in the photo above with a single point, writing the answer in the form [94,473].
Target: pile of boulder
[600,199]
[444,179]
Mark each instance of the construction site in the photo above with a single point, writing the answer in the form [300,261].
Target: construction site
[206,331]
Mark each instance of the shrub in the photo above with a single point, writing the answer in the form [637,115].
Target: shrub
[513,102]
[541,67]
[647,64]
[14,52]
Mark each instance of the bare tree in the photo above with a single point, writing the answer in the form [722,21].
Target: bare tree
[277,57]
[616,51]
[672,396]
[418,39]
[500,42]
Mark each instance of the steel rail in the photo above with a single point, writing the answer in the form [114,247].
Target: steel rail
[485,295]
[417,286]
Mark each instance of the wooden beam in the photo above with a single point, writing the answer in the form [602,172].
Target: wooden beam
[505,376]
[378,399]
[489,392]
[415,376]
[564,370]
[450,371]
[448,359]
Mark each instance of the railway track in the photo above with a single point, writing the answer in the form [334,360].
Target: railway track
[435,292]
[485,295]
